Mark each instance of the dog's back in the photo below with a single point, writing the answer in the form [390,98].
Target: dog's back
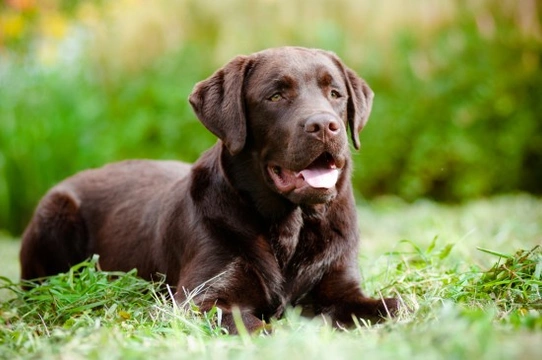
[72,215]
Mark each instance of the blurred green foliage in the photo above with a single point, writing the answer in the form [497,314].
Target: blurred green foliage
[470,127]
[456,115]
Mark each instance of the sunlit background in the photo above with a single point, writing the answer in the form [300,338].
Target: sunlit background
[457,112]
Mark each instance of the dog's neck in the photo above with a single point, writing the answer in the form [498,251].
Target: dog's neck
[246,178]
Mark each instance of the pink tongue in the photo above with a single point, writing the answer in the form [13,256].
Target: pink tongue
[320,178]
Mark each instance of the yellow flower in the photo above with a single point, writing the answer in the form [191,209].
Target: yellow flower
[54,25]
[12,25]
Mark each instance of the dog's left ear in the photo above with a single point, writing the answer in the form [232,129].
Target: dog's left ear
[219,103]
[360,102]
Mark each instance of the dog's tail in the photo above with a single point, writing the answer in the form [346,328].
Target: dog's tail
[56,237]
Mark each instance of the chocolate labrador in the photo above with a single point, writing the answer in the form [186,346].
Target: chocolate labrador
[265,219]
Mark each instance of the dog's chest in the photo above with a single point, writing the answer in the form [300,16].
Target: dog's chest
[284,238]
[301,248]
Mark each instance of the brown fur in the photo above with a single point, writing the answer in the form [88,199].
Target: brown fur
[224,221]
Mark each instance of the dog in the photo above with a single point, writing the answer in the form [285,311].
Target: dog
[265,219]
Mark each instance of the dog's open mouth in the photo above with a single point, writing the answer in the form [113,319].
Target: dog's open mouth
[322,173]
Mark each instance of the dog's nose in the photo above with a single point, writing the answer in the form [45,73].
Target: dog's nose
[322,126]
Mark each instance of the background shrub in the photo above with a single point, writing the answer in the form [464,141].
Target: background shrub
[456,114]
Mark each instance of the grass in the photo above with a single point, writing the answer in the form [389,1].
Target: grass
[470,275]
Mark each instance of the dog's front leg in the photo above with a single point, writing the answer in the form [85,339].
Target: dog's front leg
[339,296]
[231,318]
[250,322]
[235,308]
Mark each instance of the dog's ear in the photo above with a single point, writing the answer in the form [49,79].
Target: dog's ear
[219,103]
[360,102]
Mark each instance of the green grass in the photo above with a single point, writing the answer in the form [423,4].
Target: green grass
[470,275]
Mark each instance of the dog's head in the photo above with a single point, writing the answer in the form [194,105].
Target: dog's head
[290,108]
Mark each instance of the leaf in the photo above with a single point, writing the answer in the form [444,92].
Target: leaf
[432,245]
[445,252]
[124,314]
[491,252]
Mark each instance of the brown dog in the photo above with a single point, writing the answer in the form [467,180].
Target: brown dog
[265,218]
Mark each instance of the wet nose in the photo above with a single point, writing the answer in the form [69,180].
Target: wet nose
[322,126]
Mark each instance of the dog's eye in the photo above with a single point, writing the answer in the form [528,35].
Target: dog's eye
[275,97]
[335,94]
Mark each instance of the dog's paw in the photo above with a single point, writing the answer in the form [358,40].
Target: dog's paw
[389,307]
[247,321]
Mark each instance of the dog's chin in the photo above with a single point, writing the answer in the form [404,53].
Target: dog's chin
[311,196]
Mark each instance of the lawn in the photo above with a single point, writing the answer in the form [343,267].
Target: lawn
[470,275]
